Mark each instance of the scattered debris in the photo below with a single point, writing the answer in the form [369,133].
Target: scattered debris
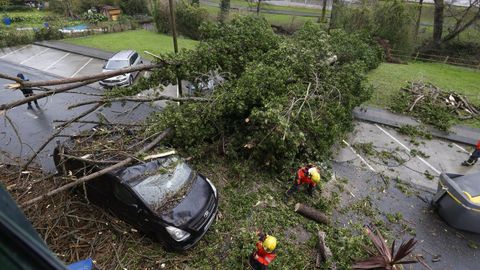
[324,253]
[459,103]
[433,106]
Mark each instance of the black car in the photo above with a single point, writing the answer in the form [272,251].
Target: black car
[163,198]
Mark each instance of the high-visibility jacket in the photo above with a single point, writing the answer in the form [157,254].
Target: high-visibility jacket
[262,256]
[303,178]
[478,145]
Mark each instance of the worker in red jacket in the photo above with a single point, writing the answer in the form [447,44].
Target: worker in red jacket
[263,255]
[306,175]
[474,156]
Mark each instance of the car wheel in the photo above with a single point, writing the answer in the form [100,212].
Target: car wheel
[130,80]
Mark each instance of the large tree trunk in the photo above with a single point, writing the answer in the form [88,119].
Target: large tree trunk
[417,25]
[438,22]
[311,213]
[334,14]
[324,10]
[224,10]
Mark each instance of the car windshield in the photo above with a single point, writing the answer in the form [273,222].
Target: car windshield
[116,64]
[167,183]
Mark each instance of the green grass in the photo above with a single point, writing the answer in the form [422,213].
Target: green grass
[275,19]
[389,78]
[139,40]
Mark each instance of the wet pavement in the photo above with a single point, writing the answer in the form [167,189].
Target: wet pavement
[440,246]
[393,155]
[35,126]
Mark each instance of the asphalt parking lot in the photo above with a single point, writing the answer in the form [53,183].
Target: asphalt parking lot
[56,62]
[33,127]
[394,158]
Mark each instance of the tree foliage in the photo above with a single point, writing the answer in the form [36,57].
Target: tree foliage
[281,103]
[390,20]
[134,7]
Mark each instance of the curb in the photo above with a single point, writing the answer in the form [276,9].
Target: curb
[459,134]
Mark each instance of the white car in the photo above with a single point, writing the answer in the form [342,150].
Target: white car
[120,60]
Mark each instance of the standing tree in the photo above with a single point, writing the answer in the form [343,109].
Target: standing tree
[224,9]
[438,22]
[417,24]
[463,20]
[334,11]
[324,10]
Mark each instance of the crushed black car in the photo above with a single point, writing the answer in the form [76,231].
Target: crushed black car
[163,198]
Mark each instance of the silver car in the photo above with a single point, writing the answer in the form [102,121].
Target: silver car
[120,60]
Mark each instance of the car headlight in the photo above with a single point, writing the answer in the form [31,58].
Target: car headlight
[213,187]
[177,234]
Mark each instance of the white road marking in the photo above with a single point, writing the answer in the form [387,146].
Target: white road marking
[461,148]
[408,149]
[33,56]
[88,62]
[58,61]
[361,158]
[12,52]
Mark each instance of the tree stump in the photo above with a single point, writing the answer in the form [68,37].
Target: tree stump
[311,213]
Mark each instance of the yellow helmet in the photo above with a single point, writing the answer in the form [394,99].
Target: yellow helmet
[269,243]
[314,175]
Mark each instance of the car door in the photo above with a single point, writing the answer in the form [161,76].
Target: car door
[128,207]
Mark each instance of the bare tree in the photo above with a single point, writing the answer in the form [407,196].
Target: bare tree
[438,22]
[463,20]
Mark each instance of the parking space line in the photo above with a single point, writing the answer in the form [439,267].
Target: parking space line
[461,148]
[360,157]
[88,62]
[58,61]
[33,56]
[12,52]
[408,149]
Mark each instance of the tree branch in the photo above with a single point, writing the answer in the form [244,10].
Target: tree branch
[4,107]
[136,99]
[95,77]
[101,172]
[58,131]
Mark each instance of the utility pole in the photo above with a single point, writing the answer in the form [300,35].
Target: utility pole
[175,43]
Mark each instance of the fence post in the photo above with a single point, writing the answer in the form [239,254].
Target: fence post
[446,60]
[416,56]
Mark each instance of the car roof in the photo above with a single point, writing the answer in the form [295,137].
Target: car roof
[122,55]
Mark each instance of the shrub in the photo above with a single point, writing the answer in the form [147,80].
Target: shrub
[94,17]
[48,33]
[161,16]
[189,18]
[12,38]
[390,20]
[133,7]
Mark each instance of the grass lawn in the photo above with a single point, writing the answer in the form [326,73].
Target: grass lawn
[139,40]
[387,80]
[275,19]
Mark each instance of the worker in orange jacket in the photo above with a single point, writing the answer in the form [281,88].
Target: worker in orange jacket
[474,156]
[306,175]
[263,255]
